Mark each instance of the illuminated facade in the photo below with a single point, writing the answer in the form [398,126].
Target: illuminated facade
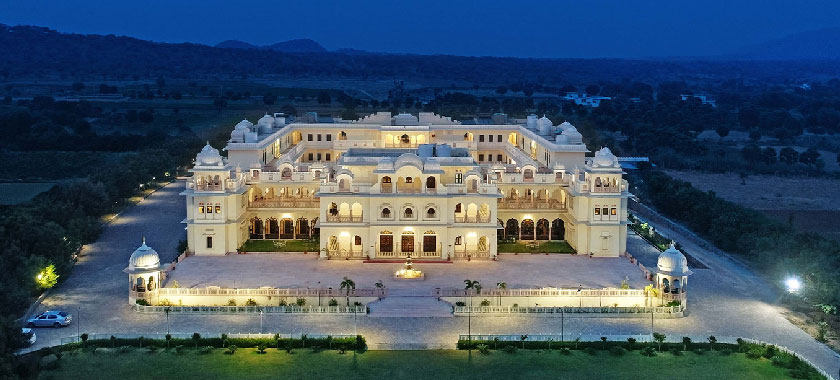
[420,186]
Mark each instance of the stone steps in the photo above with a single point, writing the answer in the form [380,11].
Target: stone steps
[410,306]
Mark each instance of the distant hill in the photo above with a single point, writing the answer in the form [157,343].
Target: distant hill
[818,44]
[291,46]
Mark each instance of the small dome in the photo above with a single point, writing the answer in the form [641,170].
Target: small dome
[143,258]
[266,123]
[562,140]
[244,124]
[604,157]
[566,124]
[574,136]
[672,262]
[208,156]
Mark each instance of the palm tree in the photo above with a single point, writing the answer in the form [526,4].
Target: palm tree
[501,286]
[470,284]
[347,285]
[381,286]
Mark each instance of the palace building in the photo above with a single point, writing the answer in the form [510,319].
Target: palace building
[421,186]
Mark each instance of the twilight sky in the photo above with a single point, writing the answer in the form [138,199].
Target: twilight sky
[522,28]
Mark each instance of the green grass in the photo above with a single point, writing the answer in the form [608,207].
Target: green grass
[545,247]
[304,364]
[268,246]
[15,193]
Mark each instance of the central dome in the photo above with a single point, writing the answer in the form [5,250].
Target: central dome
[672,262]
[143,258]
[208,156]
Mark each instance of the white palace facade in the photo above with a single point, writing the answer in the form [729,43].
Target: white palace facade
[422,186]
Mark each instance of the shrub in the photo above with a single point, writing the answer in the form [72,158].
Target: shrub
[300,302]
[231,349]
[770,352]
[460,303]
[754,353]
[649,351]
[630,343]
[142,302]
[510,349]
[485,303]
[204,350]
[483,349]
[727,352]
[332,302]
[565,351]
[673,303]
[590,351]
[231,302]
[617,351]
[782,360]
[261,348]
[283,302]
[250,302]
[289,346]
[676,351]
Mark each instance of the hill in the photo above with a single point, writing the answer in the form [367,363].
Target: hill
[821,44]
[291,46]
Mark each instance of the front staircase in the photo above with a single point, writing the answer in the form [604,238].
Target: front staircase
[410,306]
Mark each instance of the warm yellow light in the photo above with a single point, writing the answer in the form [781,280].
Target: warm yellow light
[345,233]
[408,229]
[471,234]
[527,216]
[287,216]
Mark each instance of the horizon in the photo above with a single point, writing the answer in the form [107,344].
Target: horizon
[610,29]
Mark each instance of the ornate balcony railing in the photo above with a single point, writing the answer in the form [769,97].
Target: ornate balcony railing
[286,203]
[345,218]
[536,204]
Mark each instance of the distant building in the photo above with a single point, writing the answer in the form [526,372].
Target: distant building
[703,99]
[585,100]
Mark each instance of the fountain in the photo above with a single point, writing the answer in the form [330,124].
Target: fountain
[408,272]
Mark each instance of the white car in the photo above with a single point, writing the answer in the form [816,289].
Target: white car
[50,318]
[29,334]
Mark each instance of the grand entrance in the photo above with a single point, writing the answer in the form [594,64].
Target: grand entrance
[386,243]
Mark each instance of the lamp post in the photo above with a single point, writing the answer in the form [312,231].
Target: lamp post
[319,293]
[261,321]
[562,324]
[79,323]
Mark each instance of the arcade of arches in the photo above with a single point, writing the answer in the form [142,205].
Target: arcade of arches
[526,229]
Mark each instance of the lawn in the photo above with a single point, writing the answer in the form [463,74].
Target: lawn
[15,193]
[450,364]
[545,247]
[281,246]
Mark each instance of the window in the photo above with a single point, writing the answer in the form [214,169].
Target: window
[328,156]
[309,137]
[209,209]
[310,156]
[319,137]
[480,157]
[459,177]
[490,138]
[612,211]
[499,138]
[358,239]
[386,213]
[604,211]
[386,179]
[329,138]
[319,156]
[201,208]
[597,211]
[431,213]
[408,213]
[219,209]
[499,158]
[480,138]
[409,180]
[457,240]
[209,242]
[458,208]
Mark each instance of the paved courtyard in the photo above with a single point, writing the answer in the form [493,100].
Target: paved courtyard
[306,271]
[724,300]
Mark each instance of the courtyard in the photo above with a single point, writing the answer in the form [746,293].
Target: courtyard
[307,271]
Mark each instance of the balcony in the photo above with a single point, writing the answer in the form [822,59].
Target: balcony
[285,203]
[530,204]
[345,218]
[472,219]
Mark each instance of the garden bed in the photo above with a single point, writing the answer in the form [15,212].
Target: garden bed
[279,246]
[544,247]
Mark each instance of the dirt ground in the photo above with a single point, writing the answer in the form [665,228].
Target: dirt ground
[811,204]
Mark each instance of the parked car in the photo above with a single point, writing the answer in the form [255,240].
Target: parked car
[50,318]
[29,334]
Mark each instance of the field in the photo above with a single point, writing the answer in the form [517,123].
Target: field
[305,364]
[808,203]
[15,193]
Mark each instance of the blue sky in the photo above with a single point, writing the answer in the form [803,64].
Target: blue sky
[524,28]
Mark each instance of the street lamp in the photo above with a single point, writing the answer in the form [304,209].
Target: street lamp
[793,284]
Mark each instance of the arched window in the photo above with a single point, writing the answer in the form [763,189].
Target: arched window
[409,180]
[431,213]
[342,135]
[408,213]
[386,213]
[386,179]
[333,210]
[405,139]
[430,183]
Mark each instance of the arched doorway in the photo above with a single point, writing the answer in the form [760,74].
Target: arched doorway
[287,229]
[407,243]
[527,232]
[542,229]
[256,228]
[558,229]
[429,243]
[386,242]
[512,229]
[302,227]
[500,231]
[272,229]
[430,182]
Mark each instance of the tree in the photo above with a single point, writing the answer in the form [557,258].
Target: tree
[789,155]
[501,286]
[659,338]
[347,285]
[722,131]
[196,337]
[686,341]
[475,285]
[712,340]
[523,338]
[324,98]
[809,157]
